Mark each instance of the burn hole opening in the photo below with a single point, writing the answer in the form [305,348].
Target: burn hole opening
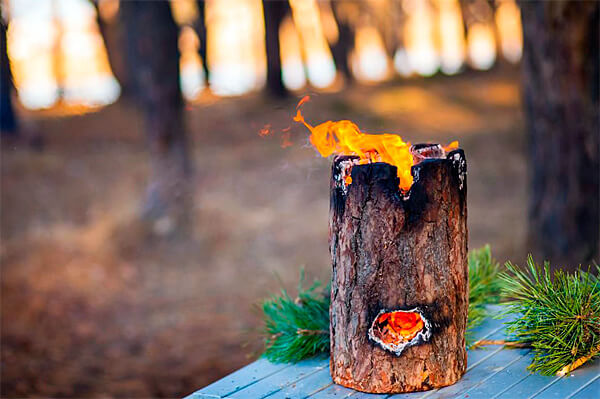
[396,330]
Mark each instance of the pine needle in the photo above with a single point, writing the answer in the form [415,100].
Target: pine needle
[484,286]
[296,329]
[559,315]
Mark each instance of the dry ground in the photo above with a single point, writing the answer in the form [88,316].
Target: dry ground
[94,307]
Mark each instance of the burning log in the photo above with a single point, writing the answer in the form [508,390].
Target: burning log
[399,293]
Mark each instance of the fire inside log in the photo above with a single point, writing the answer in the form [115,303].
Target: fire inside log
[399,293]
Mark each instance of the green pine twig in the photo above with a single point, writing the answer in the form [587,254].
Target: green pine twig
[484,286]
[558,315]
[296,329]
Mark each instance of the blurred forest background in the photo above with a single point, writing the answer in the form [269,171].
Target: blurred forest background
[154,186]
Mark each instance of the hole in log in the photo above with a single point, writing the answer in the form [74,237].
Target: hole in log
[396,330]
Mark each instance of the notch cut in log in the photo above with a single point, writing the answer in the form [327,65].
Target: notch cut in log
[399,292]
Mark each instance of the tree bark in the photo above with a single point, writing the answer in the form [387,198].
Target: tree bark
[560,82]
[274,12]
[153,53]
[394,253]
[8,120]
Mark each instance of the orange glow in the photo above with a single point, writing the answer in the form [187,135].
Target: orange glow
[265,131]
[319,62]
[369,60]
[451,146]
[399,327]
[304,100]
[508,22]
[345,138]
[481,46]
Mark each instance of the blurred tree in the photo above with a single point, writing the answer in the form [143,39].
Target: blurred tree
[110,25]
[8,121]
[561,83]
[479,12]
[341,49]
[151,40]
[389,19]
[201,31]
[274,12]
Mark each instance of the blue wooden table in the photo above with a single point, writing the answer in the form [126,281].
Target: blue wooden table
[493,372]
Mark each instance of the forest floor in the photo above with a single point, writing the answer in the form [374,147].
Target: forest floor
[93,306]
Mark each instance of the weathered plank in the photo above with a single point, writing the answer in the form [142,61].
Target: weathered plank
[305,387]
[333,391]
[503,380]
[277,381]
[490,325]
[240,379]
[568,385]
[492,365]
[591,390]
[528,386]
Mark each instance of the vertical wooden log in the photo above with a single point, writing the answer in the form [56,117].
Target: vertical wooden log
[392,252]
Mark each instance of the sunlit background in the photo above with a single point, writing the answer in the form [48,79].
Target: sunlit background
[58,55]
[98,305]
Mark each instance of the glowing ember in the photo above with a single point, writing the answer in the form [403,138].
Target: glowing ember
[345,138]
[397,327]
[396,330]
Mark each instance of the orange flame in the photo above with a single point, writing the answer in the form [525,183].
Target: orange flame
[398,327]
[304,99]
[345,138]
[452,146]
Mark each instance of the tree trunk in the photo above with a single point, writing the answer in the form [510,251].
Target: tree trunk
[201,31]
[560,81]
[113,37]
[153,53]
[403,259]
[8,121]
[274,12]
[341,49]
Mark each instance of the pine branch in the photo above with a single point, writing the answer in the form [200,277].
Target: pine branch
[484,286]
[559,315]
[297,328]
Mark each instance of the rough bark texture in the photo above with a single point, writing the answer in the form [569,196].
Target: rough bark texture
[396,253]
[153,54]
[560,81]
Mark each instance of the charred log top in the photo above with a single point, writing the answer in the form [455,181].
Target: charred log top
[384,176]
